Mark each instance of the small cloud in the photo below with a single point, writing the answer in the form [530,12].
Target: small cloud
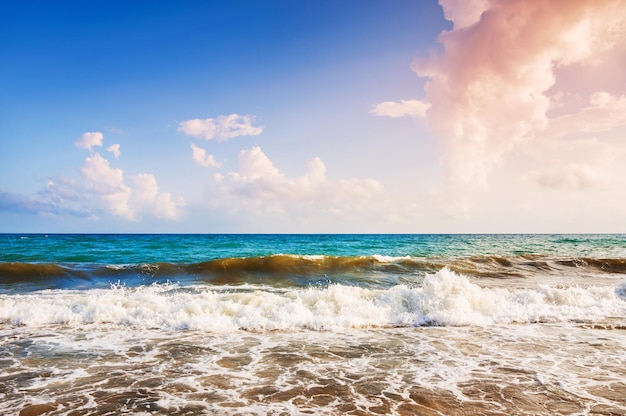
[89,140]
[221,128]
[115,149]
[201,158]
[404,108]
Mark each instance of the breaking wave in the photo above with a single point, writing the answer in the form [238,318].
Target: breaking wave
[288,270]
[444,298]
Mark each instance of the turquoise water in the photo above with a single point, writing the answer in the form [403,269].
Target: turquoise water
[127,249]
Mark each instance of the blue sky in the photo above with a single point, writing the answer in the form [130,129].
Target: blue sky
[327,116]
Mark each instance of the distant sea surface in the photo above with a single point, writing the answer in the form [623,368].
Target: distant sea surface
[312,324]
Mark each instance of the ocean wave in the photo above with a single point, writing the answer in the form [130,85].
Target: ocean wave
[445,298]
[304,270]
[475,265]
[33,272]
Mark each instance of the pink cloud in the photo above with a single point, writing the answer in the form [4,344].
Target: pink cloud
[221,127]
[201,158]
[90,139]
[115,149]
[491,87]
[403,108]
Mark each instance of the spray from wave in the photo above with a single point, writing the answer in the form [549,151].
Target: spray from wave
[444,298]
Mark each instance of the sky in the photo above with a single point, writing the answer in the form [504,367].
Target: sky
[285,116]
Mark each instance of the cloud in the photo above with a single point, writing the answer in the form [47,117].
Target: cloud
[604,113]
[130,201]
[146,188]
[143,197]
[104,183]
[108,184]
[221,128]
[567,176]
[115,149]
[492,86]
[168,208]
[254,166]
[201,158]
[89,140]
[410,108]
[52,200]
[575,163]
[100,190]
[147,197]
[259,188]
[463,13]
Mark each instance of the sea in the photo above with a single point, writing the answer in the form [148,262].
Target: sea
[312,324]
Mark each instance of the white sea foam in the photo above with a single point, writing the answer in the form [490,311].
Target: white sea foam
[264,372]
[445,298]
[311,256]
[389,259]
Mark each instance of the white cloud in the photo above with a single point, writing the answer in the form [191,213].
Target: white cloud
[115,149]
[255,165]
[101,182]
[148,198]
[146,189]
[168,208]
[89,140]
[100,190]
[410,108]
[222,128]
[132,202]
[260,189]
[201,158]
[108,184]
[100,176]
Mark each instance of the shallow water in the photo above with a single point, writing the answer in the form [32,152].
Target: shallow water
[496,370]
